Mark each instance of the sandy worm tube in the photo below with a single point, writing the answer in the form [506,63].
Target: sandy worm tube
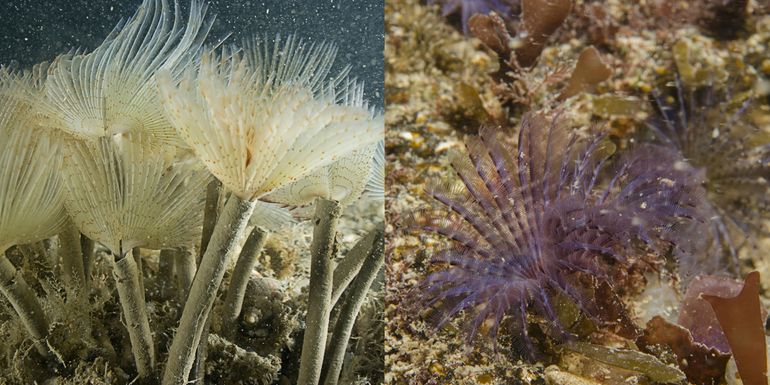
[126,273]
[87,248]
[355,296]
[320,291]
[210,215]
[185,266]
[349,267]
[243,268]
[71,257]
[23,299]
[231,224]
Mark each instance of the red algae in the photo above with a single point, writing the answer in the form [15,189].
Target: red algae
[742,322]
[696,314]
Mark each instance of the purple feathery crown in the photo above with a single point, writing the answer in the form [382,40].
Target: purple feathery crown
[468,8]
[526,222]
[706,129]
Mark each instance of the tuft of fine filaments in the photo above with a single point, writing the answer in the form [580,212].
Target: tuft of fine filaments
[375,187]
[344,180]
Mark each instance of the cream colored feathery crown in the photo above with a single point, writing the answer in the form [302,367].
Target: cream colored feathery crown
[375,187]
[112,90]
[344,180]
[31,204]
[271,216]
[125,193]
[268,117]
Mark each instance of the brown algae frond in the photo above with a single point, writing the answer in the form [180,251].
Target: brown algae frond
[741,320]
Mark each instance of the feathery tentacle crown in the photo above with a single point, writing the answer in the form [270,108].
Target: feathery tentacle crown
[128,183]
[344,181]
[707,130]
[375,187]
[526,222]
[271,216]
[31,205]
[134,195]
[267,117]
[112,90]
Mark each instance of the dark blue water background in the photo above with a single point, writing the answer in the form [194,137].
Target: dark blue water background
[32,31]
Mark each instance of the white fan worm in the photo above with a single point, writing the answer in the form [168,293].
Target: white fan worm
[265,119]
[112,89]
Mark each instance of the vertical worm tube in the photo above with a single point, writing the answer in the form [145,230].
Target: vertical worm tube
[210,215]
[71,259]
[166,271]
[185,271]
[320,291]
[231,224]
[87,247]
[355,296]
[347,270]
[136,252]
[126,274]
[25,302]
[243,268]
